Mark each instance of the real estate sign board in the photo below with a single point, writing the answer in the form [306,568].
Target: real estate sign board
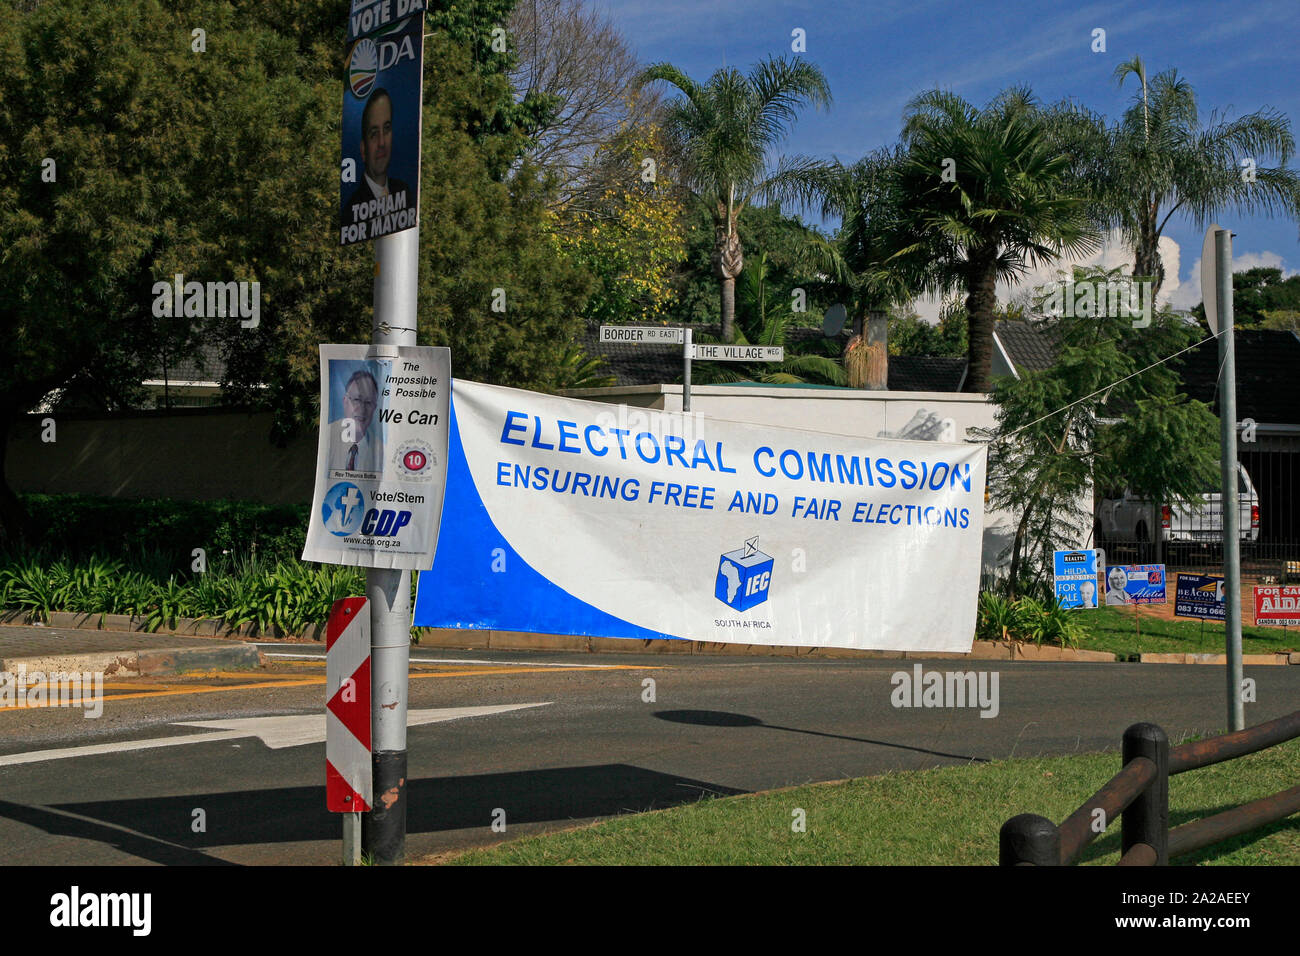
[1075,573]
[1199,595]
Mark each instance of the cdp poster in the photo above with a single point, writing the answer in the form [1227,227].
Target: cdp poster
[381,460]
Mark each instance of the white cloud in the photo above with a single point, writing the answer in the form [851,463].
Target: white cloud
[1113,253]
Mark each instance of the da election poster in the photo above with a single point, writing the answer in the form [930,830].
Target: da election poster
[379,190]
[381,459]
[573,517]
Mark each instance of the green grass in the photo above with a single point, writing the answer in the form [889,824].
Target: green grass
[946,816]
[1113,630]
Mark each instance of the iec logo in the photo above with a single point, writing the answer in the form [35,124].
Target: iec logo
[744,576]
[343,509]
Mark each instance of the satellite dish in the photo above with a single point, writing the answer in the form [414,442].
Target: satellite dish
[834,320]
[1209,279]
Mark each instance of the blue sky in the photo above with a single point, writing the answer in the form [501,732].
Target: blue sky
[1238,57]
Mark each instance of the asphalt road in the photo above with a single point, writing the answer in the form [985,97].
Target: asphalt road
[595,748]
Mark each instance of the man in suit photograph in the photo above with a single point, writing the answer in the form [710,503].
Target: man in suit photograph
[355,440]
[376,152]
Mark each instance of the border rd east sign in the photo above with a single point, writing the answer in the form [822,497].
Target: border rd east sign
[642,335]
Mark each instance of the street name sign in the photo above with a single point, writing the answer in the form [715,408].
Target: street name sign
[642,335]
[739,353]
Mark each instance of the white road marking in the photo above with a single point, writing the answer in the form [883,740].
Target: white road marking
[453,660]
[293,730]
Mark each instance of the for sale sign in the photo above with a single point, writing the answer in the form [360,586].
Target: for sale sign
[1199,595]
[1135,584]
[1075,574]
[1277,605]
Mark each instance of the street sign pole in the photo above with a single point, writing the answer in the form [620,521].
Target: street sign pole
[383,830]
[348,762]
[687,349]
[1228,471]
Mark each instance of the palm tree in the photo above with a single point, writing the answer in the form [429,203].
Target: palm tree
[866,198]
[984,195]
[1158,160]
[765,318]
[722,131]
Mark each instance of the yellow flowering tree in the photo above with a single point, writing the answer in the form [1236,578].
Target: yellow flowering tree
[627,229]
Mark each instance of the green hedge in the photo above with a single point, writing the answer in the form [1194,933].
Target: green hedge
[158,536]
[292,596]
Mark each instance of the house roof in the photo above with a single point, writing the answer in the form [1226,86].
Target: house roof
[926,373]
[1267,363]
[203,364]
[1030,347]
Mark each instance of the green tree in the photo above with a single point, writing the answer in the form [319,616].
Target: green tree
[765,314]
[223,165]
[791,264]
[126,157]
[630,235]
[722,132]
[1052,444]
[868,198]
[983,195]
[1158,160]
[1260,299]
[909,334]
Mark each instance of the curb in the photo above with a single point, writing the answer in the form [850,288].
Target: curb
[519,641]
[231,656]
[1252,660]
[153,661]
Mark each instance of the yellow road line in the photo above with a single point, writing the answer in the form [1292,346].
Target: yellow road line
[174,690]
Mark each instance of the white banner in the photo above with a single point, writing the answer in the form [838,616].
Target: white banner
[575,517]
[381,460]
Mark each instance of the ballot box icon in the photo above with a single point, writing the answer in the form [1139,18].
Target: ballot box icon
[744,576]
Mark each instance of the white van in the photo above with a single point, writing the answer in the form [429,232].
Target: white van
[1128,519]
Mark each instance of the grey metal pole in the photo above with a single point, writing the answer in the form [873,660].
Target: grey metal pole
[1228,471]
[383,830]
[686,380]
[351,838]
